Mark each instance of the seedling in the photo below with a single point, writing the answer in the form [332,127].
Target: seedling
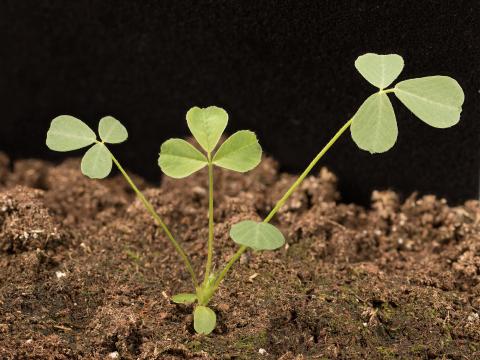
[436,100]
[241,152]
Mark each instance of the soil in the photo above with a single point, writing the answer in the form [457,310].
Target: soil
[86,274]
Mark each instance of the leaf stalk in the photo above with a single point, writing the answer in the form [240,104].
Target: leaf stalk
[208,268]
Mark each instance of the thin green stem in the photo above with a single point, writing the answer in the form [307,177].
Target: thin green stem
[208,268]
[158,220]
[284,198]
[227,267]
[307,171]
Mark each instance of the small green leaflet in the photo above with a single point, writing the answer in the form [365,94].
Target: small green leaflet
[257,235]
[204,320]
[178,158]
[97,162]
[240,152]
[184,298]
[437,100]
[207,125]
[111,130]
[68,133]
[374,127]
[379,70]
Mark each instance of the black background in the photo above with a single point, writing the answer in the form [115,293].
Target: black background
[281,68]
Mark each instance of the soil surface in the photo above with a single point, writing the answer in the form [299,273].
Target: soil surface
[86,274]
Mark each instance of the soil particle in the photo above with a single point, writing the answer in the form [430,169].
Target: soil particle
[86,274]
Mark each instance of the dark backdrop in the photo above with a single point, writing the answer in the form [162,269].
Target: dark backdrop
[281,68]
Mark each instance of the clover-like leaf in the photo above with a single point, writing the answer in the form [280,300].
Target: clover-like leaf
[111,130]
[240,152]
[257,235]
[207,125]
[97,162]
[379,70]
[184,298]
[437,100]
[374,127]
[179,159]
[69,133]
[204,319]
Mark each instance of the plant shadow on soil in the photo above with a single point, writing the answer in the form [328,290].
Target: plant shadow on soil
[85,273]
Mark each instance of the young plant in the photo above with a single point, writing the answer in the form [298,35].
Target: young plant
[241,152]
[436,100]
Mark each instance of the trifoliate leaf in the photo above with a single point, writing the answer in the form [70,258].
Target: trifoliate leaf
[207,125]
[374,127]
[257,235]
[69,133]
[178,158]
[97,162]
[379,70]
[437,100]
[240,152]
[184,298]
[111,130]
[204,320]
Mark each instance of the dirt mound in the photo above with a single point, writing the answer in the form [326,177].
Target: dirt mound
[25,222]
[85,273]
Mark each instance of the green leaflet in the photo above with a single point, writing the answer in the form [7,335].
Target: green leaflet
[437,100]
[207,125]
[240,152]
[379,70]
[374,127]
[179,159]
[111,130]
[204,320]
[184,298]
[97,162]
[69,133]
[257,235]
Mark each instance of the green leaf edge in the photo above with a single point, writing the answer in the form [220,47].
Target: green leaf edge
[104,136]
[256,143]
[184,298]
[162,166]
[207,147]
[195,322]
[257,223]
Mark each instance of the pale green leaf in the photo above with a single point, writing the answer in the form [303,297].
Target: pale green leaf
[207,125]
[240,152]
[379,70]
[97,162]
[374,127]
[178,158]
[437,100]
[111,130]
[184,298]
[204,320]
[69,133]
[257,235]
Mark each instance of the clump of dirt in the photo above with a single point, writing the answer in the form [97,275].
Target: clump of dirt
[26,223]
[86,273]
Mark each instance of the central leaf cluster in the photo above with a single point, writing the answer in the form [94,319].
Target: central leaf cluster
[240,152]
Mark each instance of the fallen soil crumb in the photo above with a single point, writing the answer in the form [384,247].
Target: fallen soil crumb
[86,274]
